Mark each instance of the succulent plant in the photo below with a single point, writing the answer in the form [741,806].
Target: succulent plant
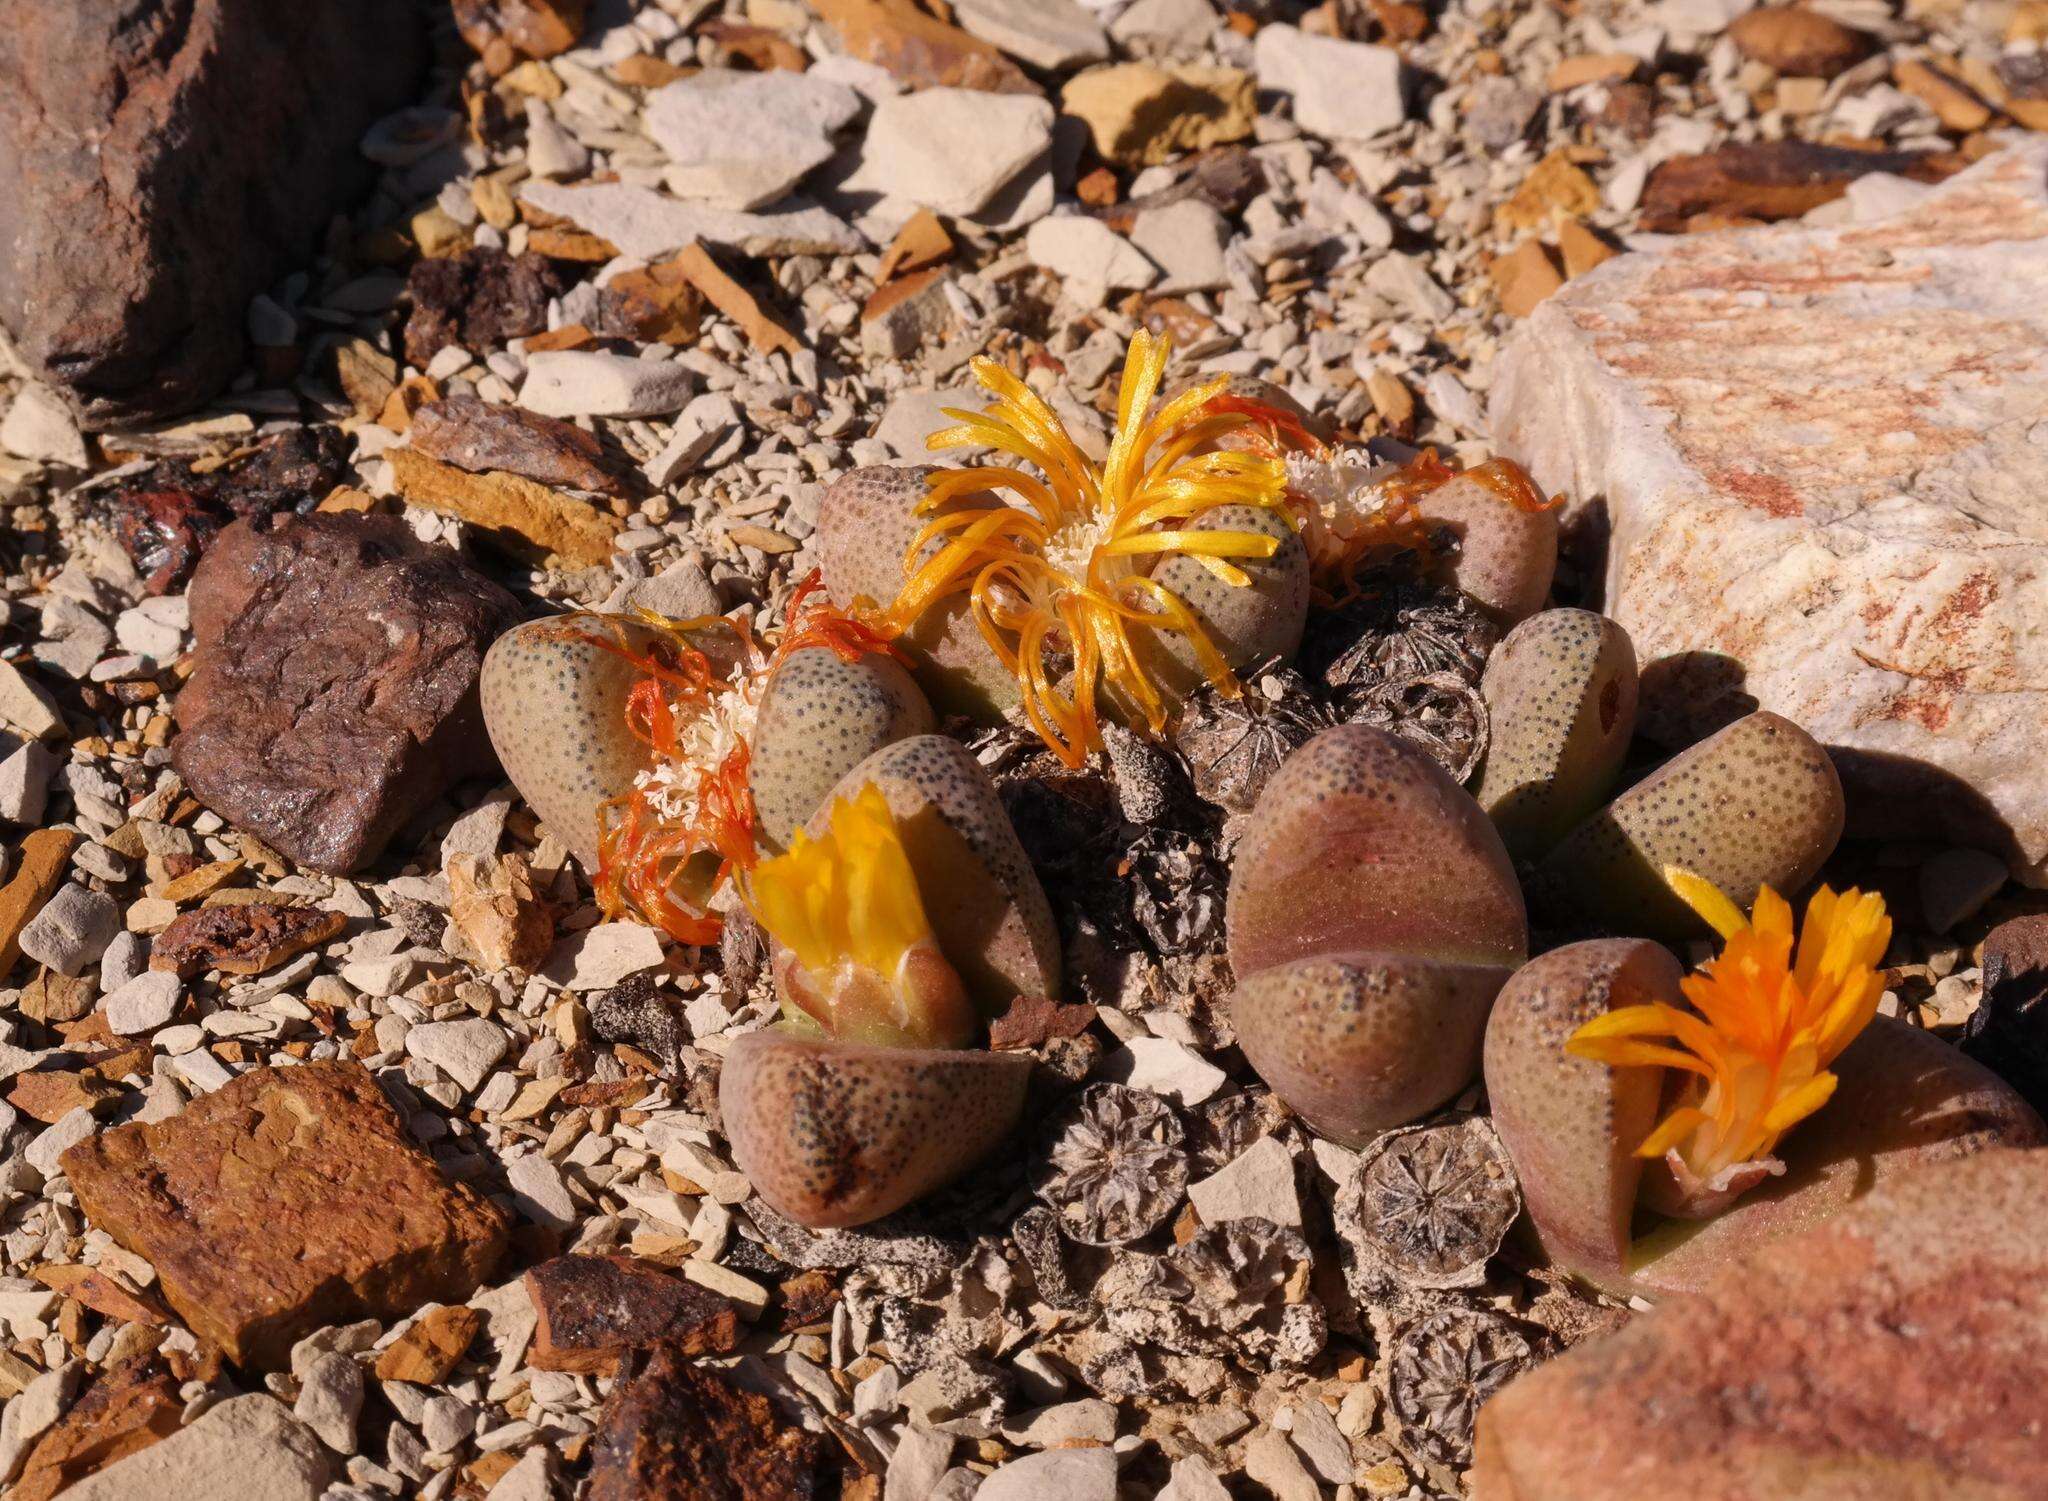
[1373,914]
[901,916]
[637,740]
[1561,696]
[1756,804]
[1506,534]
[821,715]
[1093,588]
[1783,1094]
[1116,1165]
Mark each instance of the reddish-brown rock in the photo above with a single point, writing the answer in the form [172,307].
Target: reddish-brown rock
[129,1408]
[242,938]
[1772,180]
[335,694]
[477,299]
[287,1199]
[161,161]
[504,31]
[595,1310]
[1897,1353]
[475,435]
[678,1432]
[1804,43]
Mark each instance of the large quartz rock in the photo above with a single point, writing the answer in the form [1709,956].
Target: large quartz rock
[1818,460]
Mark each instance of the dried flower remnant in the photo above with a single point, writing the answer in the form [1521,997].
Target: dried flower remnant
[1440,1372]
[1061,586]
[1116,1169]
[1754,1055]
[859,958]
[668,847]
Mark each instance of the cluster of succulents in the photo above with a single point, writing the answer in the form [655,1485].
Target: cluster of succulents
[1350,658]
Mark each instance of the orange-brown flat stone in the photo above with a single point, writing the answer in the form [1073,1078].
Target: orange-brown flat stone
[595,1310]
[288,1199]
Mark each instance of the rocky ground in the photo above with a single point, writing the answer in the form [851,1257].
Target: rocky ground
[628,290]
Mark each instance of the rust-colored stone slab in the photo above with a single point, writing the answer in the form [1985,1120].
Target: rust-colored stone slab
[594,1310]
[287,1199]
[1896,1353]
[1818,453]
[681,1433]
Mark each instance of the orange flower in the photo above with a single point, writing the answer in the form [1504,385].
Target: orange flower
[694,805]
[1061,583]
[1764,1028]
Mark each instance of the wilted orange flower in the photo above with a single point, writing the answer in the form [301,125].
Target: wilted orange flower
[1764,1028]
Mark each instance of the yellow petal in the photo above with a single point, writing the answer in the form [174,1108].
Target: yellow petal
[1705,898]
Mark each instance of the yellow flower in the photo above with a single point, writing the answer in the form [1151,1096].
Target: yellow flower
[845,906]
[1060,583]
[847,894]
[1764,1028]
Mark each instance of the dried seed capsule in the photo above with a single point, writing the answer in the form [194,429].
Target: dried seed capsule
[1757,804]
[1561,696]
[1431,1204]
[1116,1167]
[1232,746]
[1440,1371]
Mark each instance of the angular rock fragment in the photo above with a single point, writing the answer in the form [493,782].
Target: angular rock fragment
[335,694]
[474,435]
[742,140]
[678,1432]
[132,1406]
[919,50]
[526,520]
[285,1200]
[1772,180]
[503,31]
[146,192]
[594,1311]
[478,299]
[243,938]
[1898,1350]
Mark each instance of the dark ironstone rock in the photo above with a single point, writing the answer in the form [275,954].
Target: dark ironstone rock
[335,691]
[678,1432]
[594,1310]
[2008,1032]
[478,299]
[162,161]
[639,1014]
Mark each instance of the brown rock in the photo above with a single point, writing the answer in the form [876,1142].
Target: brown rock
[165,160]
[1804,43]
[1556,187]
[287,1199]
[96,1290]
[335,691]
[478,299]
[763,330]
[919,49]
[919,245]
[246,938]
[2008,1031]
[1524,277]
[534,523]
[1141,115]
[1773,180]
[595,1310]
[680,1433]
[1582,248]
[502,32]
[657,303]
[474,435]
[1896,1353]
[51,998]
[44,856]
[431,1346]
[132,1406]
[1954,102]
[50,1094]
[1597,67]
[493,906]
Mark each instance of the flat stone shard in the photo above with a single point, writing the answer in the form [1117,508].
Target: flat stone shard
[1839,428]
[285,1200]
[243,1449]
[594,1311]
[680,1432]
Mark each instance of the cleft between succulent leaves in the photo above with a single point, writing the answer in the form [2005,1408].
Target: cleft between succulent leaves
[859,960]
